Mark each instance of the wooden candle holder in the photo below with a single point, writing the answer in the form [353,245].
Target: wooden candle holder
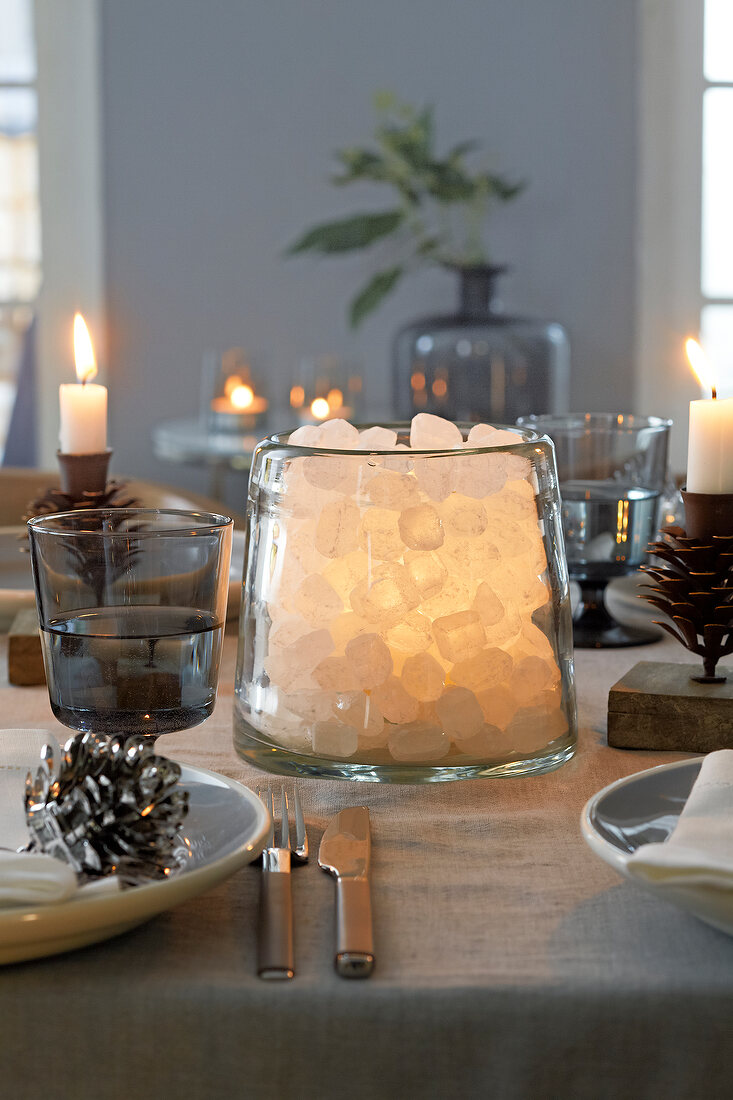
[661,705]
[674,706]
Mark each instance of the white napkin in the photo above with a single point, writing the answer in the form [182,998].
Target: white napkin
[31,878]
[20,753]
[34,879]
[698,855]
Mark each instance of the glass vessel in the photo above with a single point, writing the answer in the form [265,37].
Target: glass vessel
[327,387]
[613,478]
[405,614]
[479,364]
[232,392]
[132,606]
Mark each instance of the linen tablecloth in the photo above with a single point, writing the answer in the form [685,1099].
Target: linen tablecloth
[511,962]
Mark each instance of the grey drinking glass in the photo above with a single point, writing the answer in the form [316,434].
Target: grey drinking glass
[131,605]
[612,469]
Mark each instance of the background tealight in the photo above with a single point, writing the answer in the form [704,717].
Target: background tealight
[326,387]
[232,397]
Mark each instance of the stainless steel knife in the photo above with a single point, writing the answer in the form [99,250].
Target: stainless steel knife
[345,852]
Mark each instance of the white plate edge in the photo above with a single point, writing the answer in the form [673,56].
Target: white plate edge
[606,851]
[126,903]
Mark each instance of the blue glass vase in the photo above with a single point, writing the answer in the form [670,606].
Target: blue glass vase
[479,364]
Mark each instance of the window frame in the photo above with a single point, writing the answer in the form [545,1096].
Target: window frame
[71,198]
[669,210]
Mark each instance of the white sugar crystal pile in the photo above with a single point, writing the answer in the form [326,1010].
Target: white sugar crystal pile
[401,592]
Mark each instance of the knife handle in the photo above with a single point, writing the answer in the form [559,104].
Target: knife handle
[275,956]
[354,942]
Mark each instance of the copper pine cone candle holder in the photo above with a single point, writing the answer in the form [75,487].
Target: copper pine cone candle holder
[694,585]
[83,484]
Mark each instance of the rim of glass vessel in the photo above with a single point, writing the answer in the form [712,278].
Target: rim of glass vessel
[529,438]
[200,522]
[583,422]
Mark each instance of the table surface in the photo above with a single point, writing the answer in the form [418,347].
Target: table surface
[510,960]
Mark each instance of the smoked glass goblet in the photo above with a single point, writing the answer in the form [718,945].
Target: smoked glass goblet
[612,469]
[132,606]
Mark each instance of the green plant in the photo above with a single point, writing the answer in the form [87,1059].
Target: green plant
[440,206]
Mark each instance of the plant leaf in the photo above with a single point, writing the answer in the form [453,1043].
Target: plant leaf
[373,293]
[360,164]
[448,183]
[461,149]
[502,188]
[426,123]
[411,142]
[429,246]
[384,100]
[344,235]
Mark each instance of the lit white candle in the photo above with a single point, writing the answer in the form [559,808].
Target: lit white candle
[710,445]
[83,405]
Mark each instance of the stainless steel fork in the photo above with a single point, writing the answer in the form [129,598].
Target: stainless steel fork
[275,956]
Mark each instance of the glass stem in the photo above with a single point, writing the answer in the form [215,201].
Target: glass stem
[591,612]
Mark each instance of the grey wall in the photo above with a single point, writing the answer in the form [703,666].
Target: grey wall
[220,118]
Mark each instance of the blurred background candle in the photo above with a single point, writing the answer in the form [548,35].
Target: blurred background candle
[330,407]
[237,403]
[326,387]
[83,404]
[239,406]
[710,445]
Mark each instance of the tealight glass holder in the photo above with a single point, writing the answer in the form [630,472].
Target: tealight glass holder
[232,392]
[405,613]
[326,387]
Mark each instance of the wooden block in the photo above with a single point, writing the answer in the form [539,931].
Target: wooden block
[657,706]
[25,660]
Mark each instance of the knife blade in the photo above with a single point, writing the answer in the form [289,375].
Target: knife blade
[345,853]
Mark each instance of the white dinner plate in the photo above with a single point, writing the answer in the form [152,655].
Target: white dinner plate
[644,809]
[16,583]
[225,828]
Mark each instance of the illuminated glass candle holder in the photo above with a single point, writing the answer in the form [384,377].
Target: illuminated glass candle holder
[405,612]
[326,387]
[232,399]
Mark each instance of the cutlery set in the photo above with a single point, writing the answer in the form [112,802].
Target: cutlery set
[345,853]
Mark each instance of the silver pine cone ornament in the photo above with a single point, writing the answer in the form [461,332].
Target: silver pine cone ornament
[113,807]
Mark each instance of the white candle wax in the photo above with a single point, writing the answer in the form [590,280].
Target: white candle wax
[83,408]
[710,447]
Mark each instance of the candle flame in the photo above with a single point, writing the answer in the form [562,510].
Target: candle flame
[320,408]
[242,397]
[700,366]
[231,384]
[86,365]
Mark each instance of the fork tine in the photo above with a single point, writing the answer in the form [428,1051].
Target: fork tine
[284,823]
[301,837]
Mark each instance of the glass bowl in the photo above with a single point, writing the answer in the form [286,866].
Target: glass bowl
[405,614]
